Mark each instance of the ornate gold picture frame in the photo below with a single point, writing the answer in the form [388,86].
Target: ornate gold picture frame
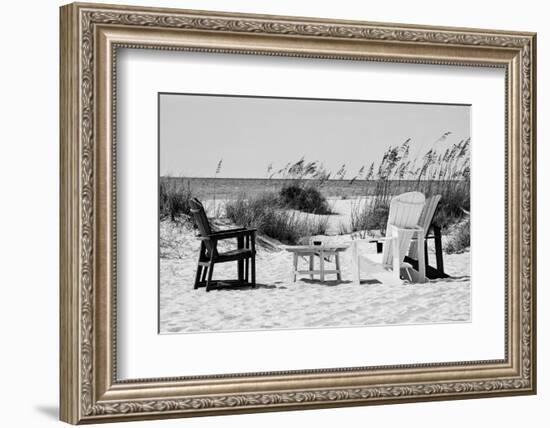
[90,389]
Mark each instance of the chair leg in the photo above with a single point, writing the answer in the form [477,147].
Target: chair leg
[322,265]
[421,260]
[438,250]
[198,276]
[252,246]
[240,270]
[426,256]
[338,271]
[240,263]
[210,273]
[253,270]
[311,267]
[294,266]
[201,270]
[246,261]
[203,275]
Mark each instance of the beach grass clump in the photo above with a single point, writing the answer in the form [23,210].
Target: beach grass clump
[454,204]
[303,189]
[174,200]
[459,239]
[316,226]
[304,198]
[264,213]
[369,217]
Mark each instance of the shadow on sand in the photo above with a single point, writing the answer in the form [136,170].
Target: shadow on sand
[221,286]
[279,285]
[327,283]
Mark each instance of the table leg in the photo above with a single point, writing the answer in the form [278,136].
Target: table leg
[421,259]
[240,263]
[311,266]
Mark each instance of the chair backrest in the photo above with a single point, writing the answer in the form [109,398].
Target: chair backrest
[425,221]
[405,210]
[199,215]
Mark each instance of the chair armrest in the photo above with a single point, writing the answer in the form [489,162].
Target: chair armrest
[216,230]
[385,238]
[407,229]
[381,239]
[419,231]
[399,229]
[233,233]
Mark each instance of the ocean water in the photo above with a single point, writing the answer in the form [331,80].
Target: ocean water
[231,188]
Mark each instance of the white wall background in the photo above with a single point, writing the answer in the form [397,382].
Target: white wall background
[29,213]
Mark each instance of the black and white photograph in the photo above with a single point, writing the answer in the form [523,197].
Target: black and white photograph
[295,213]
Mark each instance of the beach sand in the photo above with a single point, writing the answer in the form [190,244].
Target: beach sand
[280,303]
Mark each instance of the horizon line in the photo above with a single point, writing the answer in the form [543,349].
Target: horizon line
[297,179]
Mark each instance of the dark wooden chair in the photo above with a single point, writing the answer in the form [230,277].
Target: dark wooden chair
[209,256]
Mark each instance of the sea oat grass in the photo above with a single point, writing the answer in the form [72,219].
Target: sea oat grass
[265,213]
[459,239]
[174,200]
[445,173]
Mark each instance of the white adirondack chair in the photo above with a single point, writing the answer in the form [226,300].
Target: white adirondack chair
[403,219]
[425,220]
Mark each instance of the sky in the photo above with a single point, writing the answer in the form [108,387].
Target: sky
[249,134]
